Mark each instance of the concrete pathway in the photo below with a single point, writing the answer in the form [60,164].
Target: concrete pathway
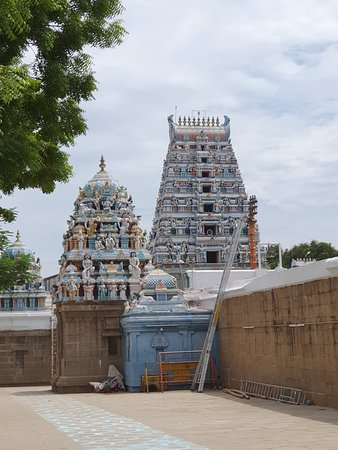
[34,418]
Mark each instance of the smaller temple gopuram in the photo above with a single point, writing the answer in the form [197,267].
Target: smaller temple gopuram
[104,245]
[103,260]
[30,296]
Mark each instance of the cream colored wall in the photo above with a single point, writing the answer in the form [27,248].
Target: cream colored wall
[286,336]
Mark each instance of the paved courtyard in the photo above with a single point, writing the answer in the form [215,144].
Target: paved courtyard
[36,419]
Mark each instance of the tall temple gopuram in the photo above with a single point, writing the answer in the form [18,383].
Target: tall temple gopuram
[201,194]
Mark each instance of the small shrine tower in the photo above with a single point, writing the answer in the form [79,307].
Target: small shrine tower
[201,194]
[104,245]
[100,269]
[30,296]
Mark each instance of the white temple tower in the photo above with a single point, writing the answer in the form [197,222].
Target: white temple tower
[200,195]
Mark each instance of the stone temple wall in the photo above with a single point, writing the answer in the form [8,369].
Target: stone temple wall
[25,357]
[286,336]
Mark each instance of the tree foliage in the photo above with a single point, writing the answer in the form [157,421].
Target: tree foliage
[40,108]
[45,75]
[313,250]
[272,256]
[13,271]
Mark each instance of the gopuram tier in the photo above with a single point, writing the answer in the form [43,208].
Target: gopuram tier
[200,196]
[104,245]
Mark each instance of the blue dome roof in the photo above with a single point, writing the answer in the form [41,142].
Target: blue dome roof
[155,276]
[18,248]
[102,179]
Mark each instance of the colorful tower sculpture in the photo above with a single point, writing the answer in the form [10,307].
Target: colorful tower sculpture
[200,196]
[104,245]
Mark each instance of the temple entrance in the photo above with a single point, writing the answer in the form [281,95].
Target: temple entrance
[212,257]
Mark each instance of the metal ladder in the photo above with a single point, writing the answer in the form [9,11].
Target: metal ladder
[273,392]
[201,369]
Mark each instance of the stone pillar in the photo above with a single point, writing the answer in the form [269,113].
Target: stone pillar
[88,341]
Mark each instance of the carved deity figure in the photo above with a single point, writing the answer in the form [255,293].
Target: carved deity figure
[96,200]
[88,289]
[110,242]
[111,268]
[145,298]
[124,225]
[58,293]
[133,267]
[144,239]
[107,205]
[87,265]
[148,267]
[137,242]
[99,244]
[80,241]
[170,249]
[72,287]
[65,243]
[71,223]
[102,291]
[184,248]
[81,194]
[90,226]
[111,292]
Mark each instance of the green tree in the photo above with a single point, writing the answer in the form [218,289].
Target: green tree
[13,271]
[40,103]
[272,256]
[313,250]
[40,112]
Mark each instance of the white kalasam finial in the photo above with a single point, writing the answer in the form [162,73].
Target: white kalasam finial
[102,164]
[18,236]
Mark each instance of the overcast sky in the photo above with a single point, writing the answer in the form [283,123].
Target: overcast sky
[271,66]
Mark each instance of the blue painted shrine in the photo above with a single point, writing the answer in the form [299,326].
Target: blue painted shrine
[160,320]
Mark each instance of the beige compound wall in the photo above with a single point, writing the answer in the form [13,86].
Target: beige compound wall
[286,336]
[25,357]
